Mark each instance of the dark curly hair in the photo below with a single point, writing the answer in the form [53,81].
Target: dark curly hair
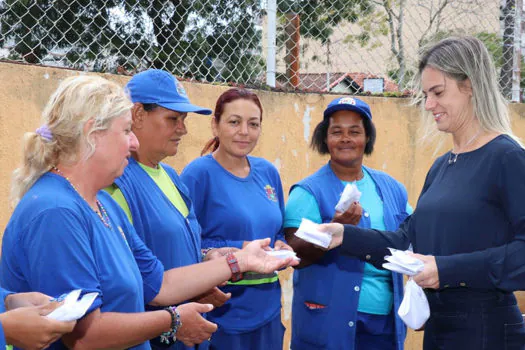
[318,142]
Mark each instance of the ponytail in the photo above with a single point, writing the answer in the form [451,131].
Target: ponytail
[211,146]
[39,156]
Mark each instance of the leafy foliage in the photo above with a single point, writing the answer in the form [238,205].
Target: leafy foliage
[196,39]
[319,17]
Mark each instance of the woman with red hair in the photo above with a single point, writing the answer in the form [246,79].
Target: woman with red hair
[239,198]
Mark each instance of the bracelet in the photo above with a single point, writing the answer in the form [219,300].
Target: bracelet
[171,335]
[204,252]
[234,267]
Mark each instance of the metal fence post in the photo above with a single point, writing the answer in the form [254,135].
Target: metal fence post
[271,41]
[516,69]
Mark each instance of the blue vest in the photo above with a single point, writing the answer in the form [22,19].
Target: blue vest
[335,280]
[174,239]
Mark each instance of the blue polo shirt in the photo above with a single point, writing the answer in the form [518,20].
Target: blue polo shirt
[55,243]
[232,210]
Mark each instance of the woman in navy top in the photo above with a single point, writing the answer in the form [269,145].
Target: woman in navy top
[469,224]
[66,234]
[239,198]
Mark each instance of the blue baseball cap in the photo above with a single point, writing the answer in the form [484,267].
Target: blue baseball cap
[161,88]
[348,104]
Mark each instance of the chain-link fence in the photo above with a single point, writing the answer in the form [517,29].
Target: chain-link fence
[344,46]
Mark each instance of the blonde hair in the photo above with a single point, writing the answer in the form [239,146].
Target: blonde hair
[76,101]
[462,58]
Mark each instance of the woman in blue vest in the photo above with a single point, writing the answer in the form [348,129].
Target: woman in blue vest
[150,191]
[341,302]
[239,198]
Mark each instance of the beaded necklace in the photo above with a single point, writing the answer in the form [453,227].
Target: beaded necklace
[101,213]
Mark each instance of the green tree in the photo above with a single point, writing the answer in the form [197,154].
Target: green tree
[185,37]
[36,27]
[320,17]
[392,15]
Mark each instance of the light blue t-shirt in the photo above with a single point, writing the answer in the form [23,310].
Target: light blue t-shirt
[376,295]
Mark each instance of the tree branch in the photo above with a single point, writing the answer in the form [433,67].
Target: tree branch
[432,19]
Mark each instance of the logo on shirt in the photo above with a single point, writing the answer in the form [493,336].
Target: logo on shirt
[270,193]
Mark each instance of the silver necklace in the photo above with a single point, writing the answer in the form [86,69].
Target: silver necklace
[101,213]
[453,157]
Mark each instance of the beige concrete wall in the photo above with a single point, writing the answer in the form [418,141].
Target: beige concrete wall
[288,122]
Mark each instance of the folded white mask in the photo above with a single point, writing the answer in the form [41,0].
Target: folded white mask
[73,308]
[403,263]
[350,194]
[308,231]
[282,254]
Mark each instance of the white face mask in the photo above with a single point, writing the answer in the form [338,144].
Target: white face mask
[414,309]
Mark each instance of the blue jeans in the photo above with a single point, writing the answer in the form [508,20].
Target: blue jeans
[469,319]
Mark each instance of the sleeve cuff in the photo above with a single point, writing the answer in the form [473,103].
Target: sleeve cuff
[2,338]
[371,245]
[4,293]
[292,223]
[153,283]
[464,270]
[365,246]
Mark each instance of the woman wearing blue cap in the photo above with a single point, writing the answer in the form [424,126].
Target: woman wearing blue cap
[239,198]
[341,302]
[150,192]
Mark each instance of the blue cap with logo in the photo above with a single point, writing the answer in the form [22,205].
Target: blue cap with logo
[348,104]
[161,88]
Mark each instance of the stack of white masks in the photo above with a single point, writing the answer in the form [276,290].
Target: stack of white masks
[350,194]
[283,254]
[414,309]
[403,263]
[309,231]
[73,308]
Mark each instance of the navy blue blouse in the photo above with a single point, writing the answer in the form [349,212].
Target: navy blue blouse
[470,215]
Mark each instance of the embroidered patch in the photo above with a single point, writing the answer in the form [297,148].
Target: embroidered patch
[180,89]
[270,193]
[347,101]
